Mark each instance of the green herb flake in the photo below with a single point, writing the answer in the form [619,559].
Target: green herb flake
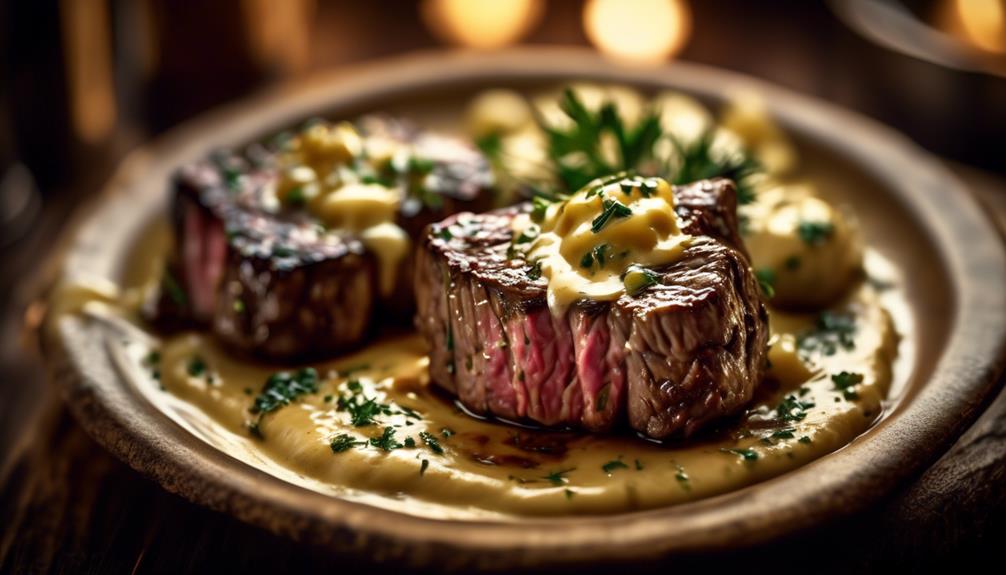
[613,209]
[534,271]
[409,442]
[815,233]
[284,387]
[423,466]
[602,398]
[196,367]
[387,440]
[791,408]
[766,280]
[832,331]
[344,442]
[747,454]
[804,439]
[431,441]
[786,433]
[558,477]
[612,465]
[447,432]
[637,279]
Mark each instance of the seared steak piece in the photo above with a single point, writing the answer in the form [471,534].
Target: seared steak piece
[684,352]
[272,281]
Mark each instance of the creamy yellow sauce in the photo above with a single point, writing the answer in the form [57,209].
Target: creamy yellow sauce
[491,469]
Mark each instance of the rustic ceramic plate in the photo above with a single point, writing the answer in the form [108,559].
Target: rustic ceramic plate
[911,209]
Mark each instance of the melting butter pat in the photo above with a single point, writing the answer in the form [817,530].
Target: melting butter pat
[585,244]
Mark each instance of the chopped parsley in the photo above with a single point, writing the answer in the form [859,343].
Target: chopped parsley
[637,279]
[444,233]
[747,454]
[386,440]
[804,439]
[447,432]
[196,367]
[766,279]
[284,387]
[344,442]
[785,433]
[845,382]
[614,464]
[792,409]
[534,271]
[613,209]
[424,464]
[831,331]
[431,441]
[815,233]
[558,477]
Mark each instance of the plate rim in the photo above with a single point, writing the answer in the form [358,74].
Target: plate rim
[967,372]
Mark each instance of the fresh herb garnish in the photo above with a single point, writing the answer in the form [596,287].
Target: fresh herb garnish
[558,477]
[699,159]
[444,233]
[344,442]
[387,440]
[747,454]
[283,387]
[423,465]
[613,465]
[637,278]
[766,279]
[804,439]
[815,233]
[845,382]
[431,441]
[792,409]
[613,209]
[832,330]
[447,432]
[196,367]
[534,271]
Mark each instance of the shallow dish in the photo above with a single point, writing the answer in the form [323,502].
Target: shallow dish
[948,254]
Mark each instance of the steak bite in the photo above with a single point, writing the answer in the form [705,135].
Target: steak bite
[688,348]
[285,266]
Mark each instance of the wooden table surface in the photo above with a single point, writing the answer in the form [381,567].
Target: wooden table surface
[67,506]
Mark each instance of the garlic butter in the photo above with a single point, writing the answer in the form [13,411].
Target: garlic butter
[597,241]
[329,169]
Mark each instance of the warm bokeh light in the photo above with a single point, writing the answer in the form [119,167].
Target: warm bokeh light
[984,23]
[89,68]
[644,31]
[481,24]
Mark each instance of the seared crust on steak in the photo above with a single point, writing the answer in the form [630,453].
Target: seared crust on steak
[273,282]
[686,351]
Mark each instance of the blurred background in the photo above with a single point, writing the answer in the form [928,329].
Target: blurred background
[83,82]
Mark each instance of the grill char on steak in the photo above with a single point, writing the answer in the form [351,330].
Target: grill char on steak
[275,283]
[684,352]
